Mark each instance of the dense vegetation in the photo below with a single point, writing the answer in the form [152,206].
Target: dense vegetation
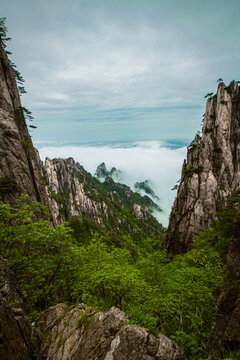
[117,205]
[172,295]
[82,262]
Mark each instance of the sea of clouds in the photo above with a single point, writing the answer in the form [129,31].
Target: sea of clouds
[146,160]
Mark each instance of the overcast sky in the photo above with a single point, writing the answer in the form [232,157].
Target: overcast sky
[121,70]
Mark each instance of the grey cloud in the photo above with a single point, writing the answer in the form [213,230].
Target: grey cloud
[118,54]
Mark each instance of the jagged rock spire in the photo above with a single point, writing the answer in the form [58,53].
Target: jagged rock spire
[211,171]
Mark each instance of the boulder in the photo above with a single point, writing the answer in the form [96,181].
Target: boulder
[77,333]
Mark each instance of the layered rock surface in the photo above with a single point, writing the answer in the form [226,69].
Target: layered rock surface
[226,330]
[74,192]
[102,173]
[19,169]
[211,172]
[18,339]
[74,332]
[77,333]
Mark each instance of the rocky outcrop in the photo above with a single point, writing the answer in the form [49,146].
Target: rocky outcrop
[102,173]
[77,333]
[19,170]
[226,330]
[18,339]
[211,172]
[75,192]
[145,186]
[67,193]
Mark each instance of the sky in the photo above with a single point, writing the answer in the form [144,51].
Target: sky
[117,74]
[140,161]
[116,69]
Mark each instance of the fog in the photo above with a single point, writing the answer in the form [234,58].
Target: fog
[138,162]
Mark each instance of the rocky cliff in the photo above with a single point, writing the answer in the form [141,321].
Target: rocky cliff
[226,330]
[211,172]
[74,192]
[102,173]
[79,333]
[19,170]
[18,339]
[74,332]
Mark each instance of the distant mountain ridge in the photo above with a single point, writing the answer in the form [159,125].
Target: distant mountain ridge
[143,188]
[75,192]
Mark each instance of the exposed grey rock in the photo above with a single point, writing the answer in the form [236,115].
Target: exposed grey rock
[78,334]
[211,172]
[145,186]
[19,170]
[140,213]
[75,192]
[18,339]
[67,192]
[102,173]
[226,330]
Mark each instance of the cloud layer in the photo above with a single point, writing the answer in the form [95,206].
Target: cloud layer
[82,57]
[138,162]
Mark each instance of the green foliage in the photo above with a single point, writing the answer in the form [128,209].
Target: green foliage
[84,229]
[27,144]
[41,257]
[81,262]
[60,198]
[7,184]
[208,130]
[208,95]
[217,150]
[191,284]
[3,33]
[119,201]
[108,278]
[27,113]
[188,172]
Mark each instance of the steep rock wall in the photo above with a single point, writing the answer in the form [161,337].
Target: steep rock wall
[73,333]
[75,192]
[226,330]
[19,169]
[68,196]
[211,172]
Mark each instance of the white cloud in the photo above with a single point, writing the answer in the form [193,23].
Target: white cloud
[145,160]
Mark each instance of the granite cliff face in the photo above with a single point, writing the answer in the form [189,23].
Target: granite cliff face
[74,332]
[19,170]
[211,172]
[74,192]
[18,339]
[102,173]
[226,330]
[79,333]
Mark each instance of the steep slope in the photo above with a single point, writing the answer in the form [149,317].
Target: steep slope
[211,172]
[145,187]
[102,173]
[74,192]
[142,188]
[19,170]
[19,340]
[79,333]
[226,330]
[73,332]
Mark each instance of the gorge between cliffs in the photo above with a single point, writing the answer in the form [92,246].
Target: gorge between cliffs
[86,270]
